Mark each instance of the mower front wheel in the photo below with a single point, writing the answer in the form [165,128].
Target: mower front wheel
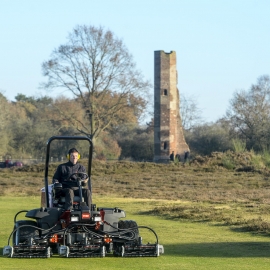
[24,231]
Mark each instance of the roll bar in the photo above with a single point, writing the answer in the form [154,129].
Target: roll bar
[48,159]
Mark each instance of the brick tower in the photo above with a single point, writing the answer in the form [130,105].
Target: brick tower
[168,131]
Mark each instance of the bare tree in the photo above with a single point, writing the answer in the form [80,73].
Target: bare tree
[190,112]
[249,114]
[94,65]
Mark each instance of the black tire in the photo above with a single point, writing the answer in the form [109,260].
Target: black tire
[119,248]
[128,224]
[26,232]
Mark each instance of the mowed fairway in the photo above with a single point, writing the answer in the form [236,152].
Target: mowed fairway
[188,245]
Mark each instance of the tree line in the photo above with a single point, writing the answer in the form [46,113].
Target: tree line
[246,123]
[28,122]
[110,97]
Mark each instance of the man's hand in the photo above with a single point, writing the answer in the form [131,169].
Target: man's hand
[85,180]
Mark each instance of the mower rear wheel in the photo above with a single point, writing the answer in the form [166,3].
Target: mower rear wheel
[119,248]
[129,224]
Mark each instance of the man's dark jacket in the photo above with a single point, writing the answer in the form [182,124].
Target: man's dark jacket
[64,171]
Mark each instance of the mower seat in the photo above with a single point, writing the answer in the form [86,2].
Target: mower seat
[59,200]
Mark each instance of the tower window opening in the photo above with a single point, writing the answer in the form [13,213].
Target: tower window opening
[165,92]
[165,145]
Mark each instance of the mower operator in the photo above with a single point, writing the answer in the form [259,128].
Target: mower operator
[70,188]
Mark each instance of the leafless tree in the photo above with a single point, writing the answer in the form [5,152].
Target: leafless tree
[249,114]
[94,65]
[190,112]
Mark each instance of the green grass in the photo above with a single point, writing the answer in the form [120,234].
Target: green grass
[188,245]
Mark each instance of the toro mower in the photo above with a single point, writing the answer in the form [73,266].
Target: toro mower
[84,231]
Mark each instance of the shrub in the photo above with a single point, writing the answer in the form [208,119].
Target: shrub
[106,148]
[228,163]
[266,158]
[256,160]
[238,145]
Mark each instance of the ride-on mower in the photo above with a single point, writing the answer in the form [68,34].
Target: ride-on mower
[81,232]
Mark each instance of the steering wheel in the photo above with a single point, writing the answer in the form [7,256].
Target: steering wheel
[78,178]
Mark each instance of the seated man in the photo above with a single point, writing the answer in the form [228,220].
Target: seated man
[70,188]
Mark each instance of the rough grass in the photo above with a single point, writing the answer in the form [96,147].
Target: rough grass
[229,188]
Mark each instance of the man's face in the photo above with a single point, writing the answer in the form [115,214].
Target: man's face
[74,157]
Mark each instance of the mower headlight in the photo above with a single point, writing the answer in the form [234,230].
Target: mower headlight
[97,218]
[74,218]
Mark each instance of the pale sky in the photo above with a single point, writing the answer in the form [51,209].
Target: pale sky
[221,45]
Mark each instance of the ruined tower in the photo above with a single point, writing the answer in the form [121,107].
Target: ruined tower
[168,131]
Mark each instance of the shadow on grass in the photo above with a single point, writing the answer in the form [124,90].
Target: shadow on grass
[223,249]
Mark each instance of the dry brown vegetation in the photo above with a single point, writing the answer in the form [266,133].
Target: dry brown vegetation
[226,188]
